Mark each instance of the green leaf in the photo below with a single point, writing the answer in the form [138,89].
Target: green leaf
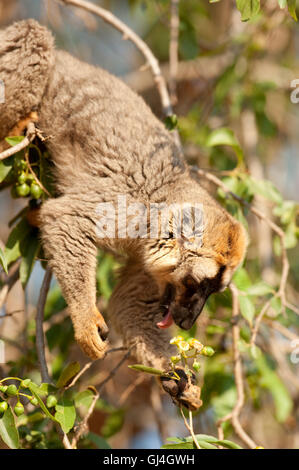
[247,308]
[225,136]
[8,431]
[3,261]
[13,244]
[182,445]
[37,392]
[5,168]
[65,414]
[68,373]
[265,188]
[248,8]
[228,444]
[84,398]
[242,280]
[292,9]
[259,289]
[15,140]
[206,444]
[282,3]
[206,439]
[148,370]
[27,263]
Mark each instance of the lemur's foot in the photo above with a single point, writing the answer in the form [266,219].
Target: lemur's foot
[183,392]
[92,336]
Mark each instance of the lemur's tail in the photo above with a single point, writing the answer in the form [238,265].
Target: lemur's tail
[26,57]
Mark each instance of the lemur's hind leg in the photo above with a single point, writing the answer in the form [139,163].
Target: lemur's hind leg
[68,234]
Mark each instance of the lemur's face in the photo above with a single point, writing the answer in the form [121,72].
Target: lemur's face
[187,274]
[188,289]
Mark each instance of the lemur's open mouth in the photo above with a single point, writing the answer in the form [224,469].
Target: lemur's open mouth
[184,313]
[166,300]
[167,321]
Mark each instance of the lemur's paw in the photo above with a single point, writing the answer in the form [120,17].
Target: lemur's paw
[92,338]
[183,392]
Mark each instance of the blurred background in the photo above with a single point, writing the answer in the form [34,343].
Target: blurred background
[231,74]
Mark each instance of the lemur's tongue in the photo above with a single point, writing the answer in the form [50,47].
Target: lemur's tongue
[166,322]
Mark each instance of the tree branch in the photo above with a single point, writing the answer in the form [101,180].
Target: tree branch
[40,341]
[30,136]
[234,416]
[173,49]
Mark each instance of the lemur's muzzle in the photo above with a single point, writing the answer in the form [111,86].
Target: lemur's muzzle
[185,311]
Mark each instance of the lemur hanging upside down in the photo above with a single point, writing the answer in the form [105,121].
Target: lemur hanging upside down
[105,142]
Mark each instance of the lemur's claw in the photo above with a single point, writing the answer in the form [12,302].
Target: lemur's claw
[92,338]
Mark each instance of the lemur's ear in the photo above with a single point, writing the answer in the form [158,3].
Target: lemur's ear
[26,57]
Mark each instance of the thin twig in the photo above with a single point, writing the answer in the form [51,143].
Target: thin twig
[40,340]
[282,329]
[129,34]
[30,136]
[63,437]
[38,182]
[89,364]
[173,49]
[82,427]
[258,321]
[114,370]
[234,416]
[77,377]
[189,426]
[10,314]
[127,392]
[40,346]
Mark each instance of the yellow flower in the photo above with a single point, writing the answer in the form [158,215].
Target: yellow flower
[176,340]
[183,346]
[194,343]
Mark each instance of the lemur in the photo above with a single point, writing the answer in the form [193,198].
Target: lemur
[105,142]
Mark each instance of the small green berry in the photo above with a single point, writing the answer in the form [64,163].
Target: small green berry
[19,163]
[3,388]
[175,359]
[19,409]
[22,178]
[11,390]
[34,401]
[35,190]
[25,383]
[207,351]
[196,366]
[3,407]
[22,190]
[51,401]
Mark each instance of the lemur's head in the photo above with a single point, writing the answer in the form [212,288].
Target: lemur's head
[189,270]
